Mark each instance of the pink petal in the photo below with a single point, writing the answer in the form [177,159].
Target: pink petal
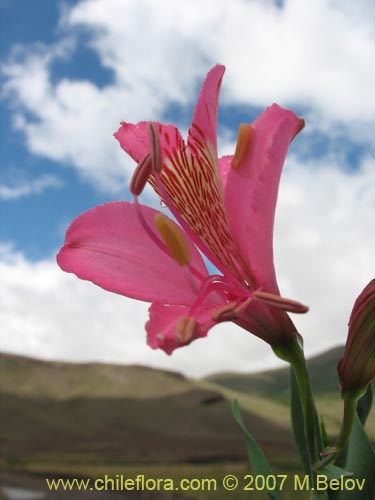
[135,141]
[224,169]
[252,188]
[204,124]
[108,246]
[163,321]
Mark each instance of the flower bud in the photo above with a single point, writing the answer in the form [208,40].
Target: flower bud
[357,367]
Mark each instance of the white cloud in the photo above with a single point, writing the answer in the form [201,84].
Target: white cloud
[29,187]
[324,256]
[314,56]
[48,314]
[325,244]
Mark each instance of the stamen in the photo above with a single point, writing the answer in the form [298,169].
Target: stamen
[156,154]
[140,176]
[147,228]
[230,311]
[212,284]
[155,238]
[245,142]
[282,303]
[173,238]
[184,330]
[226,312]
[243,305]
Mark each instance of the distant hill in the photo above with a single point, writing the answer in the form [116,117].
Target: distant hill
[98,413]
[275,383]
[59,413]
[23,376]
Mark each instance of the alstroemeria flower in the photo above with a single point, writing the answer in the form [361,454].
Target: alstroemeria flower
[357,367]
[224,209]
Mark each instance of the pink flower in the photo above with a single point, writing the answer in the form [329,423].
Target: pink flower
[357,367]
[225,210]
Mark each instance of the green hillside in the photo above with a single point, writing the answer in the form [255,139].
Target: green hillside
[267,393]
[28,377]
[64,412]
[275,383]
[92,418]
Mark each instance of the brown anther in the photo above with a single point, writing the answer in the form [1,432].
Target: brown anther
[282,303]
[245,141]
[141,175]
[225,313]
[156,154]
[185,329]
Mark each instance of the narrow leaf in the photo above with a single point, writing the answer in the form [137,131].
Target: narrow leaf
[323,430]
[361,462]
[257,460]
[334,472]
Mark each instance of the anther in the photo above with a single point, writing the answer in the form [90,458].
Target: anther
[301,126]
[282,303]
[185,329]
[226,312]
[173,238]
[156,154]
[244,144]
[141,175]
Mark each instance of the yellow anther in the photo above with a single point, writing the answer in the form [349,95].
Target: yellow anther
[244,144]
[184,330]
[173,238]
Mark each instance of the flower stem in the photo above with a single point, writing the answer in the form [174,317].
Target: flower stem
[350,406]
[293,353]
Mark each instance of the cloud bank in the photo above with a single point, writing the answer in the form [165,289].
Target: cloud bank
[314,57]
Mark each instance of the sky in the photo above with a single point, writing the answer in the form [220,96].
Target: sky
[72,70]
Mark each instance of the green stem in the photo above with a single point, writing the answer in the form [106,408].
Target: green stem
[350,407]
[293,353]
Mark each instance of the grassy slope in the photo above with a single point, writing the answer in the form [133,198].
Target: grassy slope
[267,393]
[27,377]
[93,418]
[95,412]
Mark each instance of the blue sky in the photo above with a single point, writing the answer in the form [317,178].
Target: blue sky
[34,222]
[72,70]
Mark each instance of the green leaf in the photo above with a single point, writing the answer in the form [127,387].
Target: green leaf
[334,472]
[323,430]
[364,405]
[257,460]
[298,425]
[361,462]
